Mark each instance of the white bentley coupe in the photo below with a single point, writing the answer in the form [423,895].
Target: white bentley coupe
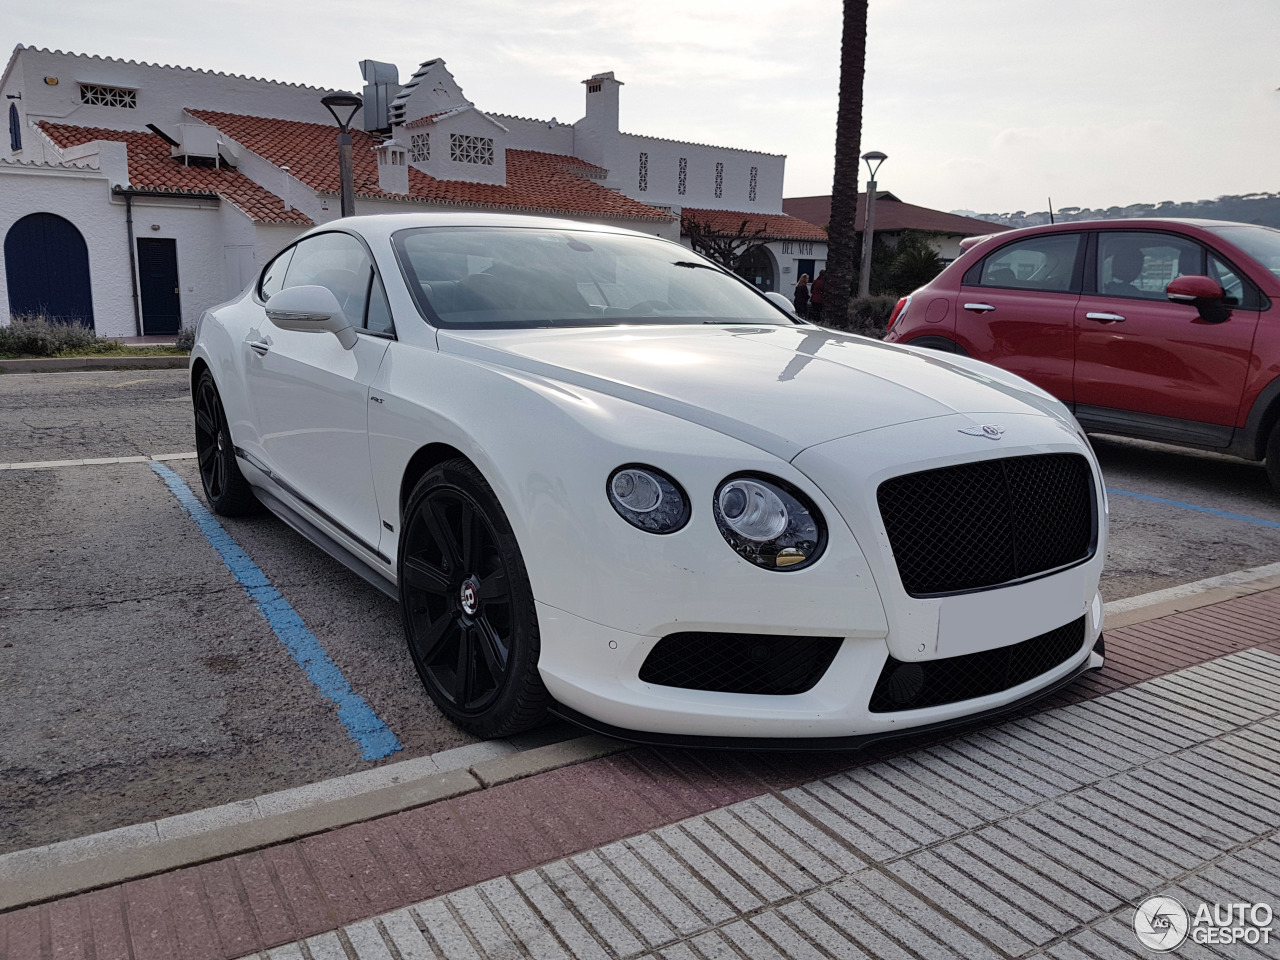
[609,480]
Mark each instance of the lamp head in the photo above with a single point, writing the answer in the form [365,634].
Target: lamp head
[347,102]
[876,157]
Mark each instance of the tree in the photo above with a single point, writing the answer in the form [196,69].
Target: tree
[842,246]
[726,249]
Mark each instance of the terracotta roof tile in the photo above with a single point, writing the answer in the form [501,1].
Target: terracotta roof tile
[152,168]
[538,182]
[776,226]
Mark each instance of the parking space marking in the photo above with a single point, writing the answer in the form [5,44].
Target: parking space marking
[96,461]
[1258,521]
[363,725]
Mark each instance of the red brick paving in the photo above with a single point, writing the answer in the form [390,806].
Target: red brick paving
[232,907]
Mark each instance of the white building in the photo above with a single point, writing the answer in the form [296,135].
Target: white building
[133,196]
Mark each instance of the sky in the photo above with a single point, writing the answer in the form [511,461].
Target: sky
[986,105]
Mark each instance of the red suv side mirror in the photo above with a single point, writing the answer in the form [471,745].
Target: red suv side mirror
[1193,287]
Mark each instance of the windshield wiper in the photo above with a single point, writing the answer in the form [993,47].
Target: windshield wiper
[695,266]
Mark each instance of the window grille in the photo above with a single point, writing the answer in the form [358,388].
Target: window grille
[644,172]
[420,147]
[464,148]
[593,88]
[719,180]
[751,187]
[100,96]
[684,175]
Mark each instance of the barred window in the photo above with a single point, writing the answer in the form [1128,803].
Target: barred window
[420,147]
[644,171]
[719,180]
[684,175]
[464,148]
[593,88]
[100,96]
[751,187]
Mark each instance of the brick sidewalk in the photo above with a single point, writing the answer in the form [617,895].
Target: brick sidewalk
[295,891]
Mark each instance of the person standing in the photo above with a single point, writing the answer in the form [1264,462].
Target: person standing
[801,297]
[815,296]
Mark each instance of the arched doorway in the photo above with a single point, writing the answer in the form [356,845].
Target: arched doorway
[756,267]
[47,265]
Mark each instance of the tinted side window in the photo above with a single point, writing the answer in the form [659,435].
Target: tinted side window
[273,276]
[1037,263]
[1140,265]
[337,261]
[1238,291]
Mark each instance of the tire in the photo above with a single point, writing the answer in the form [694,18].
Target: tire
[467,607]
[225,487]
[1273,458]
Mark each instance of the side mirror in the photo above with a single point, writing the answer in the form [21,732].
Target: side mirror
[1203,293]
[781,301]
[311,309]
[1191,288]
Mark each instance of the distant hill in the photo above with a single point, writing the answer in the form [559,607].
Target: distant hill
[1259,208]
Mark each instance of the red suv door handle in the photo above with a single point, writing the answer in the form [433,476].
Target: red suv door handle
[1105,317]
[979,307]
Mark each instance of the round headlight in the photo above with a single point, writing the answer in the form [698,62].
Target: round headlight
[648,499]
[752,509]
[769,522]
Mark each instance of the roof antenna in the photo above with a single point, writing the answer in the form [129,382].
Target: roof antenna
[1051,210]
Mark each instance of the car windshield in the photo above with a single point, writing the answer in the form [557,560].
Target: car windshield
[1261,243]
[495,277]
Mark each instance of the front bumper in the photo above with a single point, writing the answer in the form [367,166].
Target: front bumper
[592,672]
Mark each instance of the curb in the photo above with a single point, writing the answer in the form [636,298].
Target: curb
[129,853]
[1190,596]
[61,364]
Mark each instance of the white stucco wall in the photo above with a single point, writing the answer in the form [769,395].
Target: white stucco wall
[664,167]
[163,93]
[468,123]
[84,198]
[526,134]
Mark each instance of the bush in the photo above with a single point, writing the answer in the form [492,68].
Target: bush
[38,336]
[868,316]
[186,339]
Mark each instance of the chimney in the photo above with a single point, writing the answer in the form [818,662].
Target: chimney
[595,136]
[393,167]
[382,83]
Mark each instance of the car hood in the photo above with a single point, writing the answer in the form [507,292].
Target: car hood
[781,389]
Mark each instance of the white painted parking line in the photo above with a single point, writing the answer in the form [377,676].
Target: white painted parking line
[96,461]
[1055,874]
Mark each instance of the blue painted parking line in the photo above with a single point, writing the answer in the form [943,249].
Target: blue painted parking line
[1257,521]
[363,725]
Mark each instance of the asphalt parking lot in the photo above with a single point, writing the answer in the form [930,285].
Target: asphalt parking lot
[138,680]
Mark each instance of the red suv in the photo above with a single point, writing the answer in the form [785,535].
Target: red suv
[1160,329]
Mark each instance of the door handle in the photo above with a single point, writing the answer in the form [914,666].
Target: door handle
[979,307]
[1105,317]
[260,347]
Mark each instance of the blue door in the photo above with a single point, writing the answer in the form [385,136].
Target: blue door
[47,265]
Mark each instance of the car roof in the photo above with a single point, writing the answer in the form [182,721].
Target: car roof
[384,225]
[1143,223]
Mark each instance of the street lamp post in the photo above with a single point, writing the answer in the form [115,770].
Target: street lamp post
[346,172]
[869,224]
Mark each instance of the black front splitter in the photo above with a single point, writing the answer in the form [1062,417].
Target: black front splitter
[814,744]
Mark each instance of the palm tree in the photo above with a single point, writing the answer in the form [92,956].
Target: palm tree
[842,236]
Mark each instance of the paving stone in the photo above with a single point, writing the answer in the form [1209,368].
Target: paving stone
[435,917]
[366,940]
[553,911]
[599,918]
[663,898]
[711,907]
[402,930]
[861,829]
[638,914]
[831,921]
[326,946]
[742,867]
[701,862]
[830,847]
[768,854]
[1024,874]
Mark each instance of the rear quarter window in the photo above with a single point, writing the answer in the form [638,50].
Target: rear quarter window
[1037,263]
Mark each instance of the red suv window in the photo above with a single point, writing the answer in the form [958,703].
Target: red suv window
[1045,263]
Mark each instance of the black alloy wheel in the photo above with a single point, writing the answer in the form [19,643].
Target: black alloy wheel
[467,607]
[225,487]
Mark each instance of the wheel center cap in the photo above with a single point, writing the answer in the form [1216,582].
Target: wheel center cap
[470,596]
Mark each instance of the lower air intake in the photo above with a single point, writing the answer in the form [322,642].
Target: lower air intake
[739,662]
[931,683]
